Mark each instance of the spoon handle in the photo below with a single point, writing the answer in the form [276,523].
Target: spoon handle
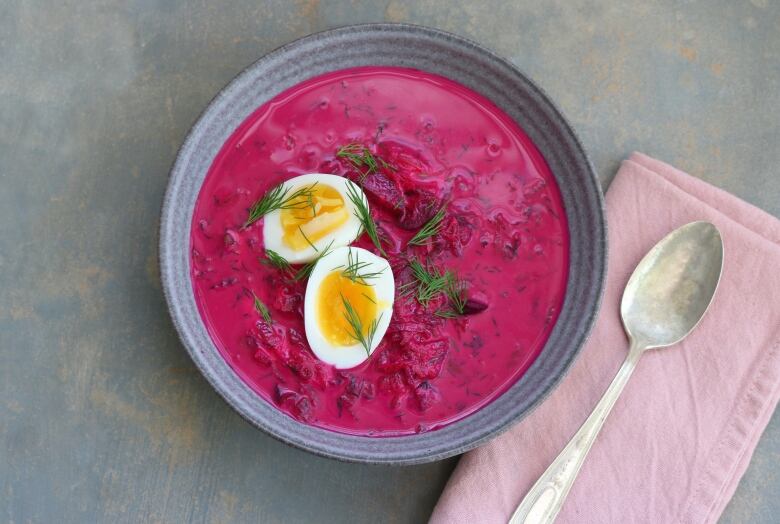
[545,499]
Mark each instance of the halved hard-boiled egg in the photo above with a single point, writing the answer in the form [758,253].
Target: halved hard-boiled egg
[348,305]
[317,213]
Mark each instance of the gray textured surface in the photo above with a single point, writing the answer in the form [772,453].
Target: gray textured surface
[102,415]
[436,52]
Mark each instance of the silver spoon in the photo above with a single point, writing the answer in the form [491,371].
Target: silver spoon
[664,299]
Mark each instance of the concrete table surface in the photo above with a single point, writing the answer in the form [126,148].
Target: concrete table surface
[103,418]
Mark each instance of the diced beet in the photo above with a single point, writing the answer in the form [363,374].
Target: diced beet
[393,383]
[287,299]
[332,167]
[262,357]
[354,386]
[283,392]
[303,409]
[231,241]
[426,395]
[300,405]
[475,303]
[296,337]
[369,391]
[402,158]
[268,338]
[420,206]
[385,191]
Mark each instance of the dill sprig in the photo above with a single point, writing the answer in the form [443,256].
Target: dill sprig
[280,197]
[274,259]
[362,159]
[354,270]
[428,283]
[360,203]
[456,292]
[307,239]
[445,313]
[305,270]
[429,229]
[262,309]
[356,326]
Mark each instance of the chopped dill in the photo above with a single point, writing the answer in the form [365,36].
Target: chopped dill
[445,313]
[429,229]
[305,270]
[274,259]
[280,197]
[354,270]
[307,239]
[455,290]
[262,309]
[356,326]
[360,203]
[362,159]
[429,282]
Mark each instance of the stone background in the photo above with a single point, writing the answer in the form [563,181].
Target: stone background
[103,418]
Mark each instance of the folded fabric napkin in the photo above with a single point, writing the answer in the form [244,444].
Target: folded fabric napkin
[681,436]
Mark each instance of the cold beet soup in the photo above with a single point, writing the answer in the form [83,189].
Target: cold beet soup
[459,196]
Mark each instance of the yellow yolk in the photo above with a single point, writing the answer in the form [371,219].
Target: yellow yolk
[313,219]
[330,308]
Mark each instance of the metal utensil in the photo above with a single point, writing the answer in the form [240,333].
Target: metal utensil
[664,299]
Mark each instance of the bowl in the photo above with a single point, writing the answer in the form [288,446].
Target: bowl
[478,69]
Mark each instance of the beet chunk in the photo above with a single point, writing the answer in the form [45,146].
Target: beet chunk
[420,207]
[299,405]
[426,395]
[477,302]
[384,190]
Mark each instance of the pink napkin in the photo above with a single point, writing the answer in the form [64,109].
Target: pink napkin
[681,435]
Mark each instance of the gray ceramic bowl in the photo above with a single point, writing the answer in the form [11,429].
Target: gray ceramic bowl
[471,65]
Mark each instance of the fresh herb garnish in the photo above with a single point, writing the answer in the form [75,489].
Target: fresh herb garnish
[362,159]
[307,239]
[429,229]
[272,258]
[360,203]
[280,198]
[356,326]
[305,270]
[445,313]
[428,283]
[262,309]
[354,270]
[456,292]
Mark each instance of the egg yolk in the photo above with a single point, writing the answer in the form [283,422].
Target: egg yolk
[331,311]
[311,217]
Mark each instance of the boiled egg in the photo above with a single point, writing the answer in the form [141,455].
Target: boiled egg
[321,215]
[348,305]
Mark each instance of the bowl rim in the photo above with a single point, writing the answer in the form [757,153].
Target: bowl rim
[320,441]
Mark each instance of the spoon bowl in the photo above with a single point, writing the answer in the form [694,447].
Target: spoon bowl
[672,286]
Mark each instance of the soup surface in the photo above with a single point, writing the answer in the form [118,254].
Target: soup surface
[439,145]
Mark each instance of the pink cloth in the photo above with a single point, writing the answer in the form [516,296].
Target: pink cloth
[681,436]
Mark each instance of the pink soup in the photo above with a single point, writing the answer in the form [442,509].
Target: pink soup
[504,233]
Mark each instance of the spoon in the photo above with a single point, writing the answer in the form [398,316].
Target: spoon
[664,299]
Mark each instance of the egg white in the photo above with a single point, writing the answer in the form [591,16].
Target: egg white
[273,232]
[344,357]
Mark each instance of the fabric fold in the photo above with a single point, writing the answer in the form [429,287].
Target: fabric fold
[682,434]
